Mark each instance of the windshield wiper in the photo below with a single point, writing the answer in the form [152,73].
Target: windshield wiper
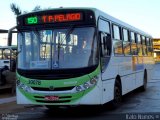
[71,28]
[69,31]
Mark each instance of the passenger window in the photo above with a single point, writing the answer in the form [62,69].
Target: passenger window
[147,42]
[133,39]
[144,46]
[149,46]
[143,40]
[139,44]
[150,42]
[134,49]
[125,35]
[126,43]
[117,44]
[138,39]
[116,32]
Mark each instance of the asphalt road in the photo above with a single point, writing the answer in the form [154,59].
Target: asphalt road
[135,105]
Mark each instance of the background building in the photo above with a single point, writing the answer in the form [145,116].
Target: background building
[156,47]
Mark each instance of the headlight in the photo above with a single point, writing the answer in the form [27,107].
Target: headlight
[88,84]
[18,82]
[23,86]
[94,80]
[79,88]
[26,88]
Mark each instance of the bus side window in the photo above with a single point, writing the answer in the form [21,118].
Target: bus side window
[134,41]
[105,44]
[144,46]
[117,40]
[126,42]
[139,44]
[149,46]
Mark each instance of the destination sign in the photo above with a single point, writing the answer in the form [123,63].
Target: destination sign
[53,18]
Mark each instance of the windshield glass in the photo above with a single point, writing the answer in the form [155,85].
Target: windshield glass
[57,48]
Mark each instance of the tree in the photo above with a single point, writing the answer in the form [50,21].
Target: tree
[15,9]
[37,8]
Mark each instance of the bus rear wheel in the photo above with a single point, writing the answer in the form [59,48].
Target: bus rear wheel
[144,86]
[117,96]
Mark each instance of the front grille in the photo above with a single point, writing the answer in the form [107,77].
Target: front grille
[54,89]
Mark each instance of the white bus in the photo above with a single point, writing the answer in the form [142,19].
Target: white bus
[79,56]
[7,54]
[7,63]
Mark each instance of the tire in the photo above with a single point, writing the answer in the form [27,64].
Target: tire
[116,102]
[144,86]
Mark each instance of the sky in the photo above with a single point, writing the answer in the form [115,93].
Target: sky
[142,14]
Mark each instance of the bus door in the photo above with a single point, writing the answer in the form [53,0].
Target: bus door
[105,50]
[105,44]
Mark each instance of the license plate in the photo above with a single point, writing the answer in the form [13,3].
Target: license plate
[51,98]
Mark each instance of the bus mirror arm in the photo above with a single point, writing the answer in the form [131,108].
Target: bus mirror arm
[10,35]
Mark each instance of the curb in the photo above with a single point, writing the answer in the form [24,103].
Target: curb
[7,100]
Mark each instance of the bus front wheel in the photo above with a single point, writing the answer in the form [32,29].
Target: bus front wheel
[117,95]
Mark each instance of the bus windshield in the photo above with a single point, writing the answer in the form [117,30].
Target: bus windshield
[57,48]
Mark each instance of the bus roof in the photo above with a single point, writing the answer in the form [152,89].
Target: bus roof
[97,14]
[119,22]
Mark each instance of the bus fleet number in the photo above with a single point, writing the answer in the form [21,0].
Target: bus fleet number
[34,82]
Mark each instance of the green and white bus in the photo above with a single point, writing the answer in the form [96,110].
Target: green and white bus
[79,56]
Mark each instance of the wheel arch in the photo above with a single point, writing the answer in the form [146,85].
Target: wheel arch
[118,79]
